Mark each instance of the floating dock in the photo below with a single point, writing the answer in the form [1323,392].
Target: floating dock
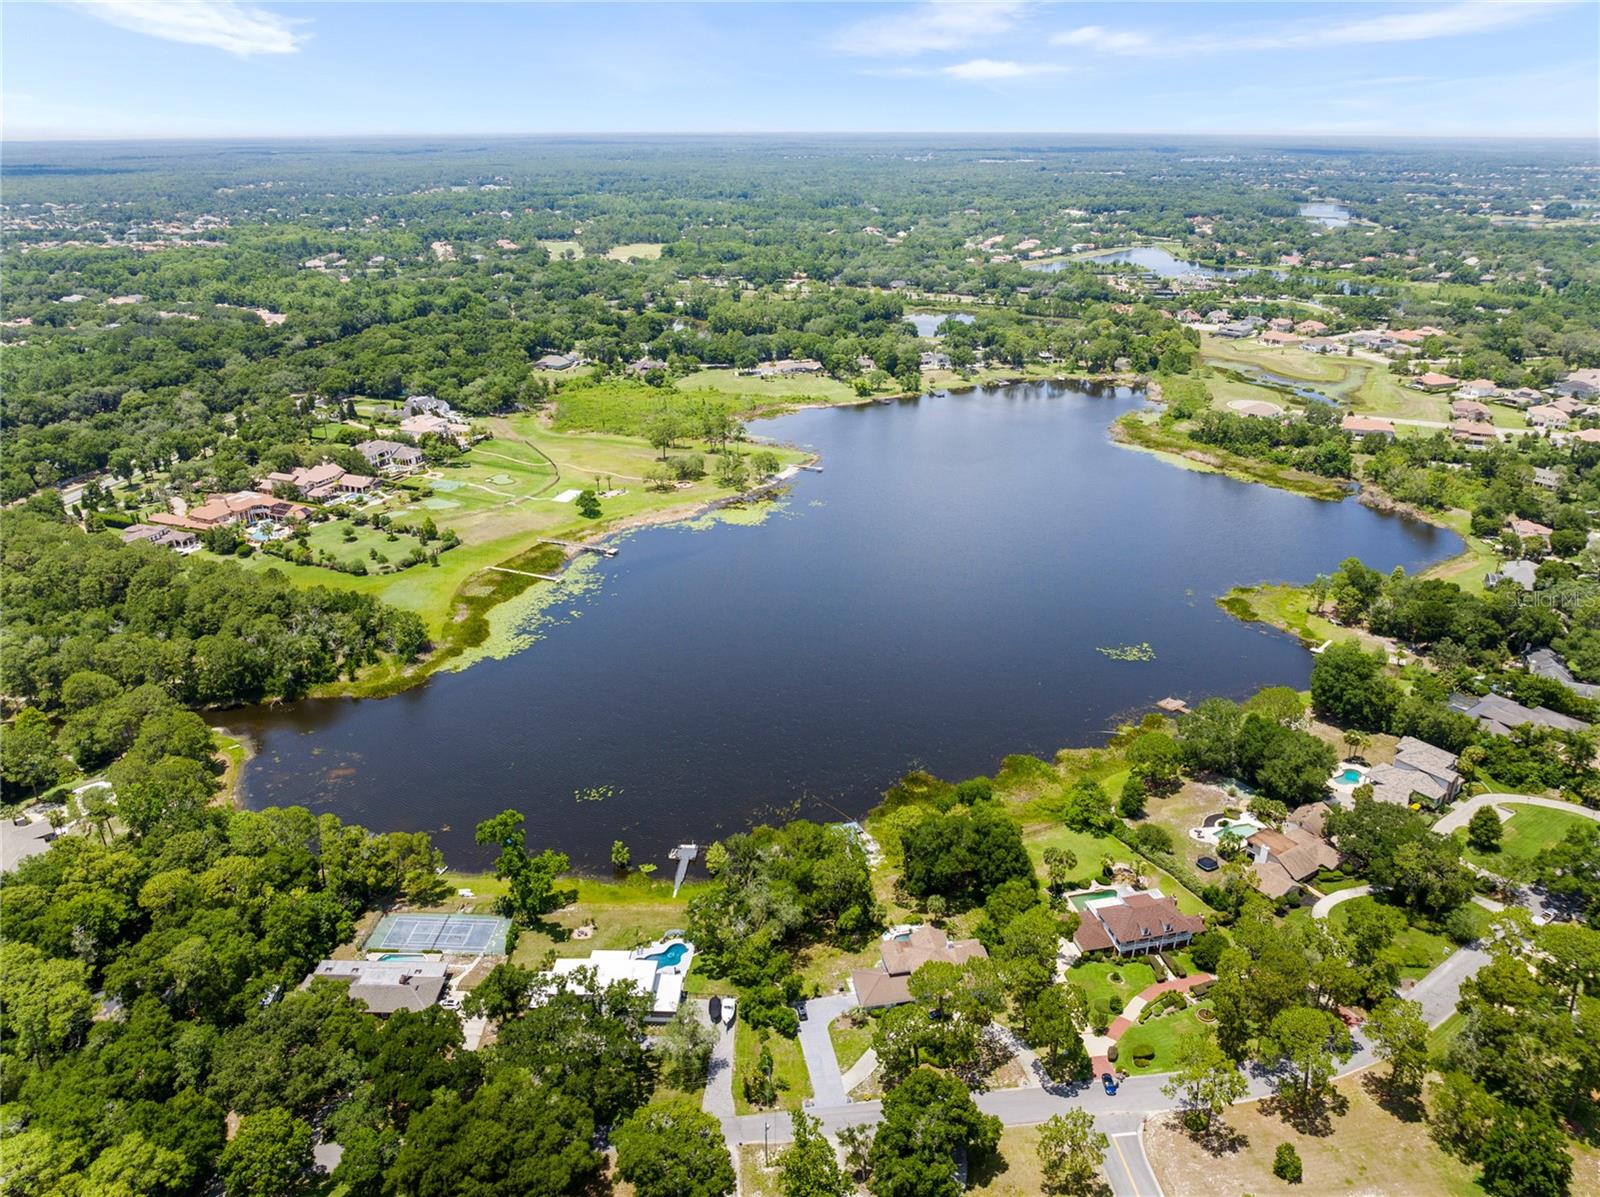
[683,854]
[605,550]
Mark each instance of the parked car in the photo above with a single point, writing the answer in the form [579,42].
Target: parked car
[729,1010]
[1110,1083]
[800,1010]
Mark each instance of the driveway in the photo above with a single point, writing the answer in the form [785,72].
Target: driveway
[816,1045]
[1329,901]
[718,1101]
[1460,816]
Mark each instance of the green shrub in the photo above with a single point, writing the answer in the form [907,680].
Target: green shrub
[1286,1164]
[1142,1051]
[1157,967]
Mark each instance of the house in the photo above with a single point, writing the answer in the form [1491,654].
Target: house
[1546,663]
[1404,787]
[788,367]
[1433,381]
[167,519]
[1235,330]
[1529,530]
[1543,415]
[902,951]
[1546,477]
[1419,756]
[1189,316]
[934,361]
[1472,433]
[1311,328]
[1521,397]
[1362,428]
[1583,384]
[1498,714]
[1135,925]
[1408,336]
[390,456]
[426,405]
[646,364]
[1471,410]
[657,970]
[1283,860]
[1218,316]
[1273,337]
[320,482]
[1589,436]
[1280,324]
[556,361]
[245,506]
[179,540]
[385,986]
[420,426]
[1522,573]
[1321,345]
[1478,388]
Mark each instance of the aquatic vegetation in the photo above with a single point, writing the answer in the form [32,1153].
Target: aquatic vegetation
[1129,652]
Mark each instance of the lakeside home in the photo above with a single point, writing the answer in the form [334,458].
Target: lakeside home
[902,951]
[386,986]
[1136,925]
[1362,428]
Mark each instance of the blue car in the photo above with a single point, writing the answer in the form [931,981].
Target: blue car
[1110,1083]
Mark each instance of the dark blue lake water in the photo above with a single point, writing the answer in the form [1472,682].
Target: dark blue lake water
[935,598]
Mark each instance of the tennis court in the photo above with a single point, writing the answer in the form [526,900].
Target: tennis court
[474,933]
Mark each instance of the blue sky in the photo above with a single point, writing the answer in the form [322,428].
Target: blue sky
[132,68]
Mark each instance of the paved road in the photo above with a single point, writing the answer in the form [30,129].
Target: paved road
[1128,1168]
[1460,816]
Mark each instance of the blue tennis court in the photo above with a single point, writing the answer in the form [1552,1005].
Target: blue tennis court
[467,933]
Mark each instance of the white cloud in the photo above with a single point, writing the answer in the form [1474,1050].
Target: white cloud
[983,70]
[1098,37]
[241,29]
[1408,25]
[937,25]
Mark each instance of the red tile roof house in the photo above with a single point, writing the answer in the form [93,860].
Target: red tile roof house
[1529,530]
[1311,328]
[1469,409]
[1362,427]
[243,506]
[1136,925]
[1432,381]
[901,955]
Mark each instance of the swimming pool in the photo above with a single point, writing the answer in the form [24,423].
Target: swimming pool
[671,957]
[1079,901]
[1350,777]
[1212,832]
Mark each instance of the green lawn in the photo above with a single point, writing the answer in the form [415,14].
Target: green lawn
[850,1043]
[1419,951]
[1530,832]
[757,392]
[789,1068]
[1162,1032]
[1095,977]
[349,543]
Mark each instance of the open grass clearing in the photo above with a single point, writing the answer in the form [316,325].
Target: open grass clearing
[645,251]
[759,392]
[788,1068]
[563,249]
[850,1042]
[1132,977]
[1371,1153]
[1524,838]
[1013,1170]
[1418,950]
[1164,1032]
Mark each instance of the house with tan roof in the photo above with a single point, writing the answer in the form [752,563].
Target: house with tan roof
[1470,409]
[390,456]
[1311,328]
[901,952]
[1135,925]
[245,506]
[1361,428]
[1473,433]
[1529,530]
[1284,860]
[1274,337]
[321,482]
[385,986]
[1433,381]
[431,425]
[1545,415]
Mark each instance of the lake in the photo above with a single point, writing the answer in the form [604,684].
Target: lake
[1151,258]
[927,323]
[935,598]
[1326,213]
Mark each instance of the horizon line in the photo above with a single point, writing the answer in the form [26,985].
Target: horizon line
[45,138]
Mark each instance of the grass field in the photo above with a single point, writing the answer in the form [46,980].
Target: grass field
[1013,1170]
[1359,383]
[647,251]
[751,392]
[788,1068]
[561,249]
[1418,950]
[330,537]
[1371,1153]
[1530,832]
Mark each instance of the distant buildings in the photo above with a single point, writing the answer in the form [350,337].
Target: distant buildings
[1546,663]
[786,368]
[322,482]
[1582,384]
[1499,715]
[431,425]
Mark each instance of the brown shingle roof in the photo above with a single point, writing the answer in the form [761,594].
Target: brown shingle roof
[1131,921]
[905,956]
[874,988]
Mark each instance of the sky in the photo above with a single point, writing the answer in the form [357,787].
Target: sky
[220,68]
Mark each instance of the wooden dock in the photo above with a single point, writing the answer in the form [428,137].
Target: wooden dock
[815,469]
[683,854]
[526,573]
[605,550]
